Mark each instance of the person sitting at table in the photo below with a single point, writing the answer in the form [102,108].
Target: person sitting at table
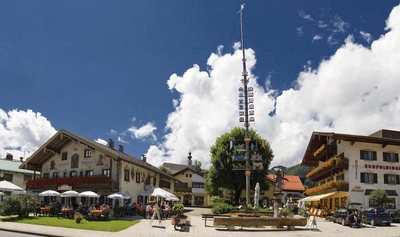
[65,206]
[92,207]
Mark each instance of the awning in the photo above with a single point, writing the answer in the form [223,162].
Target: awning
[316,197]
[389,192]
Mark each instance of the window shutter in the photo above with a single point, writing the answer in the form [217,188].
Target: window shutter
[384,156]
[361,154]
[374,155]
[385,178]
[375,178]
[396,157]
[397,179]
[362,177]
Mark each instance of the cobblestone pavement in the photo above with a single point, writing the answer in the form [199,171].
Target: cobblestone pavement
[154,228]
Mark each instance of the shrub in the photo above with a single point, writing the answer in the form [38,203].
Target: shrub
[21,205]
[217,199]
[220,208]
[178,209]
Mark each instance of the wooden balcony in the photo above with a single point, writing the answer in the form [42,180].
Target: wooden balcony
[328,169]
[331,186]
[183,189]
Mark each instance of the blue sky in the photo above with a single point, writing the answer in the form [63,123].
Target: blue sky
[161,77]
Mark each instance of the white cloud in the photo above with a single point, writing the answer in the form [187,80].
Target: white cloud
[113,132]
[316,38]
[143,132]
[22,132]
[331,40]
[354,91]
[322,24]
[299,31]
[366,36]
[121,139]
[101,141]
[303,15]
[339,24]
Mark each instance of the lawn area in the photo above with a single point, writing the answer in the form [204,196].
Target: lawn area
[111,225]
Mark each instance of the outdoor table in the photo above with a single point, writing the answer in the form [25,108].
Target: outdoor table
[67,212]
[45,210]
[96,213]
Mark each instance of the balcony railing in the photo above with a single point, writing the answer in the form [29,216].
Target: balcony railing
[328,168]
[183,189]
[331,186]
[77,183]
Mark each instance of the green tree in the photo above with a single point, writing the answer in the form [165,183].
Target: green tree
[21,205]
[197,166]
[378,197]
[220,173]
[162,168]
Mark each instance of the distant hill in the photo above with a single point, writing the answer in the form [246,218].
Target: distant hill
[301,171]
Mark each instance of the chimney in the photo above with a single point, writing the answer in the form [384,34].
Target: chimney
[144,158]
[9,156]
[111,143]
[121,148]
[21,159]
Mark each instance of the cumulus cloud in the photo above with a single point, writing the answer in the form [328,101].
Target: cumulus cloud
[353,91]
[303,15]
[146,131]
[101,141]
[366,36]
[22,132]
[299,31]
[339,24]
[316,38]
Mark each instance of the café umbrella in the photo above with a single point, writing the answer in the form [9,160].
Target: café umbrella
[119,195]
[49,193]
[70,193]
[158,192]
[256,195]
[89,194]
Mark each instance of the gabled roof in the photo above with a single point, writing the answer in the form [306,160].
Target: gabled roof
[174,167]
[184,170]
[62,138]
[290,182]
[12,166]
[321,144]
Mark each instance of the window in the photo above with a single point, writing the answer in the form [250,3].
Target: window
[390,157]
[73,174]
[154,181]
[390,204]
[165,184]
[369,178]
[46,175]
[137,177]
[391,179]
[65,174]
[107,172]
[80,173]
[56,175]
[89,173]
[199,201]
[199,185]
[64,156]
[367,155]
[126,175]
[27,177]
[75,161]
[340,177]
[8,177]
[88,153]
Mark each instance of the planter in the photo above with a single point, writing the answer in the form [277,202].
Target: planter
[173,220]
[78,220]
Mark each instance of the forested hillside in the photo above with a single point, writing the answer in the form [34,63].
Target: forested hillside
[301,171]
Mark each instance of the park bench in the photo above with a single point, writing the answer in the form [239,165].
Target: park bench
[205,216]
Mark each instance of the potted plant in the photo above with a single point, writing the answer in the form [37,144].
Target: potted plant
[78,217]
[178,216]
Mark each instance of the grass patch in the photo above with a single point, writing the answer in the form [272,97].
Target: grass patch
[110,225]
